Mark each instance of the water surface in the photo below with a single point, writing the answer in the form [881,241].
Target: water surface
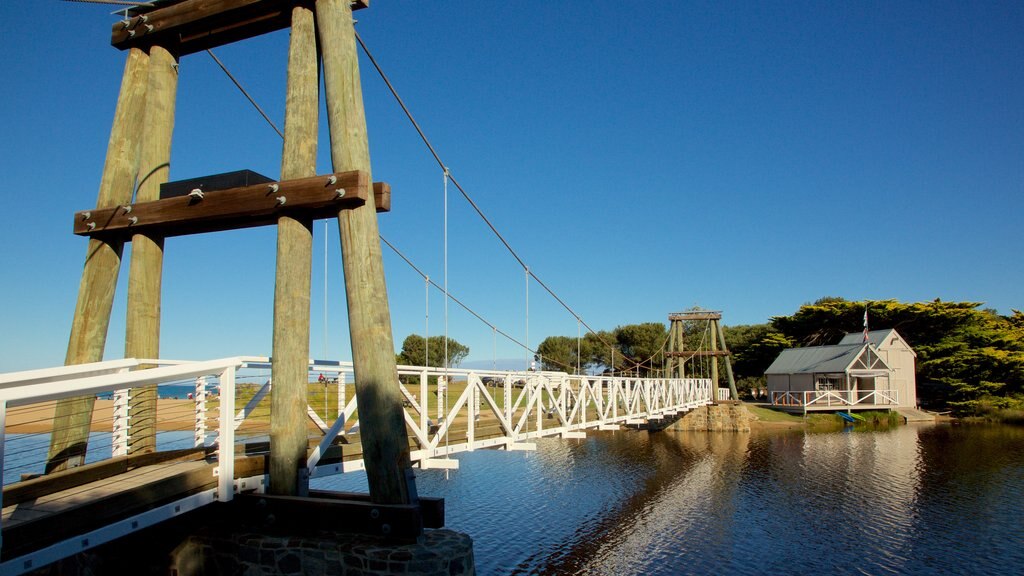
[912,500]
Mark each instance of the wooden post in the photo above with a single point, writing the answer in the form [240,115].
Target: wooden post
[385,441]
[728,365]
[72,417]
[288,396]
[142,325]
[714,360]
[670,360]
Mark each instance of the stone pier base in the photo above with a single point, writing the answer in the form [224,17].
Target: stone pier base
[218,540]
[724,416]
[438,553]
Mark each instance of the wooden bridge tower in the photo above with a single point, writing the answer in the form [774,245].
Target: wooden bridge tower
[677,355]
[155,35]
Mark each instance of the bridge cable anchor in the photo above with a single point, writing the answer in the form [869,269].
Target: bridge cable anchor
[197,194]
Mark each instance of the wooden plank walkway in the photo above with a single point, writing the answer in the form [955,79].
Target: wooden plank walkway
[48,509]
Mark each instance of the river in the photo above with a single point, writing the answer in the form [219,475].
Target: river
[935,499]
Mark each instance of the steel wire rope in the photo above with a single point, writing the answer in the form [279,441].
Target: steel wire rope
[447,383]
[124,3]
[462,304]
[457,185]
[467,197]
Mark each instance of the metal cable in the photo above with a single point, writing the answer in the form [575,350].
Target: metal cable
[466,195]
[244,92]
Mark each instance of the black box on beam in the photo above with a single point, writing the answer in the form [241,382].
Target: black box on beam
[236,179]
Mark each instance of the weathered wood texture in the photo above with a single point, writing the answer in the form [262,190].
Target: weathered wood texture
[696,353]
[702,315]
[734,394]
[245,207]
[714,362]
[102,263]
[142,323]
[36,523]
[194,25]
[373,353]
[294,264]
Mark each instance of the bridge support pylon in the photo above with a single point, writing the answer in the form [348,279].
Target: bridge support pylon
[677,357]
[155,36]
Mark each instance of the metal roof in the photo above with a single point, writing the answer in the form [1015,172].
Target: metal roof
[816,359]
[876,337]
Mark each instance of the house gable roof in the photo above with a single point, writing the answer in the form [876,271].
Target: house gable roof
[826,359]
[877,338]
[815,359]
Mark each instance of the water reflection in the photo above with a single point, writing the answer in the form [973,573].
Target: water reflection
[911,500]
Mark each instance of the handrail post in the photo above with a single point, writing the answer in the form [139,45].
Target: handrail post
[424,412]
[226,437]
[200,425]
[3,441]
[121,423]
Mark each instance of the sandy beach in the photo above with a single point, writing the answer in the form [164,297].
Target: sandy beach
[173,415]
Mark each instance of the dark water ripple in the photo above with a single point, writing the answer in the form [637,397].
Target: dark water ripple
[913,500]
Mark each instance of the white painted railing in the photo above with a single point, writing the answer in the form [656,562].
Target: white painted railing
[522,405]
[34,387]
[837,398]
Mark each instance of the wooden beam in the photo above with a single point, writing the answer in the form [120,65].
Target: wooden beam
[194,25]
[382,196]
[244,207]
[695,316]
[688,353]
[292,514]
[431,508]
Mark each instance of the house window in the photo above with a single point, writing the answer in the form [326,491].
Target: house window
[828,383]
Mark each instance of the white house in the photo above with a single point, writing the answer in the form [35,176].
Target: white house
[876,373]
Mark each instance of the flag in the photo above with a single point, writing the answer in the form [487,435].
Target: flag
[865,323]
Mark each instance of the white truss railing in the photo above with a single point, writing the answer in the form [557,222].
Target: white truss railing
[117,377]
[515,407]
[837,398]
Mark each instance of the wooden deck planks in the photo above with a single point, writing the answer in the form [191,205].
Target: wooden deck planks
[32,524]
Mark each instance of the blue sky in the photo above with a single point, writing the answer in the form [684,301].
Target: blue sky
[642,159]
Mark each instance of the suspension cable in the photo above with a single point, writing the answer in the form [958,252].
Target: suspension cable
[466,196]
[246,94]
[115,3]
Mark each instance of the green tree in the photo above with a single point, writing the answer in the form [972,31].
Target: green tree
[416,349]
[558,353]
[753,348]
[643,345]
